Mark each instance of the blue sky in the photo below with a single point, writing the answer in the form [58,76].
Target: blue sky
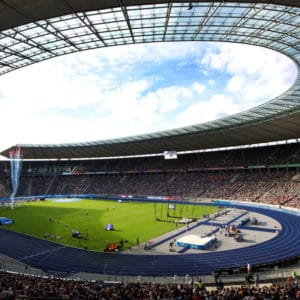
[128,90]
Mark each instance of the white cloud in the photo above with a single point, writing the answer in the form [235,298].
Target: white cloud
[235,84]
[257,74]
[216,107]
[168,99]
[109,93]
[199,88]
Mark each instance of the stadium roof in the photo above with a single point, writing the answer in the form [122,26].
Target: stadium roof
[33,31]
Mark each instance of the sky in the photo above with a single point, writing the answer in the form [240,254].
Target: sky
[129,90]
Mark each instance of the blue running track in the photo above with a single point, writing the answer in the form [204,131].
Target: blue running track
[53,257]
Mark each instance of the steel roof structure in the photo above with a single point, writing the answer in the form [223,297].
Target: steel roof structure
[33,31]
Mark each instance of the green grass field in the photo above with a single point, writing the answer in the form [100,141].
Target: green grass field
[131,220]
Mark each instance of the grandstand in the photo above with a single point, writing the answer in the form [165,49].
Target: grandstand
[235,161]
[253,174]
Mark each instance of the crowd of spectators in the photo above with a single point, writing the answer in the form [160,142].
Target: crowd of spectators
[20,286]
[246,157]
[219,174]
[265,186]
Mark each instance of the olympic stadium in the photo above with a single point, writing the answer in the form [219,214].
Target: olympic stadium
[37,31]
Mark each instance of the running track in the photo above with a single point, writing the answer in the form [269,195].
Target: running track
[52,257]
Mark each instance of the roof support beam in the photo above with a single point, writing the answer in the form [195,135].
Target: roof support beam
[27,41]
[86,21]
[9,51]
[125,13]
[170,4]
[211,11]
[56,33]
[39,25]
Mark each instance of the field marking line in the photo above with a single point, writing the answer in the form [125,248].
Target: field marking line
[41,253]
